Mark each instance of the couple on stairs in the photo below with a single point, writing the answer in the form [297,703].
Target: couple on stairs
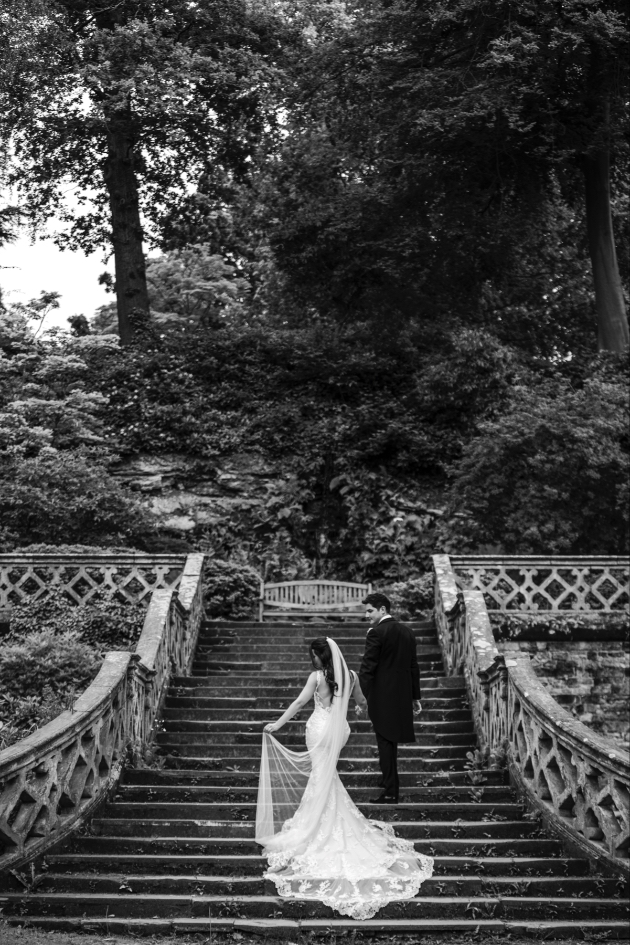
[318,844]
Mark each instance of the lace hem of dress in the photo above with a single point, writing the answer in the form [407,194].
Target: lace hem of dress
[355,903]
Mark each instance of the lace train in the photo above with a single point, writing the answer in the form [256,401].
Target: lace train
[352,864]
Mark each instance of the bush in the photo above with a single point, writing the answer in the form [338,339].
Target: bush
[104,623]
[63,662]
[60,497]
[231,590]
[411,599]
[39,677]
[550,476]
[52,653]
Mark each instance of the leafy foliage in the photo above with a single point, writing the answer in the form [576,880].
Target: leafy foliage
[231,590]
[550,475]
[105,624]
[40,675]
[55,451]
[411,599]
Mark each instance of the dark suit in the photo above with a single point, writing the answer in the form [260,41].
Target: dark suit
[390,680]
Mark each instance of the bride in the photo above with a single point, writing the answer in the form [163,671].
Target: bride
[317,842]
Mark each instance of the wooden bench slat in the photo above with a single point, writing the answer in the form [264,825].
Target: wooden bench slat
[319,598]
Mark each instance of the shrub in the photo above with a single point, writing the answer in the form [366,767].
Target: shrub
[104,623]
[60,497]
[411,599]
[63,662]
[231,590]
[550,476]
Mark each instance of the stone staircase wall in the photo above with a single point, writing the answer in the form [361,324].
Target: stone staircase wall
[174,851]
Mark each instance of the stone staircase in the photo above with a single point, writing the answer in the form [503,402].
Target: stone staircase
[174,851]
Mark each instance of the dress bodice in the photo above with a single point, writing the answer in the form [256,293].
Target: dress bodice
[316,696]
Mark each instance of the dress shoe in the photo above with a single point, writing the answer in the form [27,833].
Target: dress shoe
[384,799]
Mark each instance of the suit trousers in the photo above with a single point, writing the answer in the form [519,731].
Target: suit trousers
[388,761]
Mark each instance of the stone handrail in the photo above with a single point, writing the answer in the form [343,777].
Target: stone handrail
[81,576]
[536,583]
[52,780]
[447,606]
[578,780]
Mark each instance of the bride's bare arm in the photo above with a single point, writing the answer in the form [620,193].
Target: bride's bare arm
[360,702]
[304,697]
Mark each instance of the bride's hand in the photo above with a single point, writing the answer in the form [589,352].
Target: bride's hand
[358,710]
[272,727]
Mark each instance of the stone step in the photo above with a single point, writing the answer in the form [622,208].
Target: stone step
[439,685]
[182,844]
[361,744]
[262,715]
[255,885]
[455,813]
[236,702]
[255,687]
[331,627]
[150,905]
[279,672]
[478,868]
[562,930]
[225,747]
[184,792]
[243,759]
[300,649]
[361,731]
[352,650]
[366,778]
[433,732]
[237,822]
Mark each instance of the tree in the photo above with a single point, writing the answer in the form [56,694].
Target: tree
[550,475]
[144,98]
[55,449]
[431,143]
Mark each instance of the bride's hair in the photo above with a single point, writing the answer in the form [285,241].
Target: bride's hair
[319,647]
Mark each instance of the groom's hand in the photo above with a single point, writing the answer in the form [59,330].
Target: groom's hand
[417,707]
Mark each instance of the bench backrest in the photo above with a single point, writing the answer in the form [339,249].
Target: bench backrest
[312,598]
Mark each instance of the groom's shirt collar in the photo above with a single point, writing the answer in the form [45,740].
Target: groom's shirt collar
[380,620]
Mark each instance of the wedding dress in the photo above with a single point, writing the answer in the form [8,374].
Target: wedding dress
[318,844]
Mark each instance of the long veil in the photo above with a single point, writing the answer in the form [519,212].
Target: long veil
[284,774]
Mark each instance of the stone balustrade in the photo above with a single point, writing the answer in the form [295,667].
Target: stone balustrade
[579,781]
[537,583]
[81,576]
[51,781]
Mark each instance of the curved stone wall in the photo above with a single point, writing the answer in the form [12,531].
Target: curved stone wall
[52,780]
[579,781]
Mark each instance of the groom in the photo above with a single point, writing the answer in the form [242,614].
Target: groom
[390,680]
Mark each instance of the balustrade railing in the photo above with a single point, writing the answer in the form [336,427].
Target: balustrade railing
[557,584]
[80,577]
[578,780]
[51,781]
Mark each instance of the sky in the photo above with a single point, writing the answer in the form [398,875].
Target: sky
[28,268]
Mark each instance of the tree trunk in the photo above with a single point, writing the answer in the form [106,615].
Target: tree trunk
[131,285]
[612,321]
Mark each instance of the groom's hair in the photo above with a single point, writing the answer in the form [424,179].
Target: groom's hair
[378,600]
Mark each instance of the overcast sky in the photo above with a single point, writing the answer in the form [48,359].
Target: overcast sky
[28,268]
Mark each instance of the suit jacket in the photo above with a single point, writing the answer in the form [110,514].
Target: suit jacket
[390,679]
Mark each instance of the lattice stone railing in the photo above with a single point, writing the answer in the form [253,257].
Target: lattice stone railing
[555,584]
[79,577]
[578,780]
[52,780]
